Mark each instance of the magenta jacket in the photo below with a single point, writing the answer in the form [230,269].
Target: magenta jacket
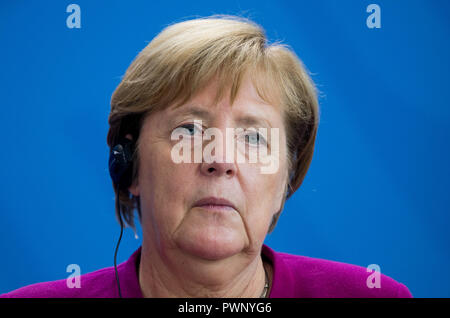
[293,277]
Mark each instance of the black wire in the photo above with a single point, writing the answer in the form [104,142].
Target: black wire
[118,242]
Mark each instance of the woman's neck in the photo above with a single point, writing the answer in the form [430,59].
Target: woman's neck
[181,275]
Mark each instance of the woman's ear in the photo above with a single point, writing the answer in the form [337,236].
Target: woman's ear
[134,190]
[129,136]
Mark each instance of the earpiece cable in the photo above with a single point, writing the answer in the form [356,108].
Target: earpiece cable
[118,242]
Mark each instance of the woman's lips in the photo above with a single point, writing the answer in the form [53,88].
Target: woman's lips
[215,207]
[215,204]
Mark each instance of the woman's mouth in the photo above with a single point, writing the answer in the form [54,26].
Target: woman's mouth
[215,204]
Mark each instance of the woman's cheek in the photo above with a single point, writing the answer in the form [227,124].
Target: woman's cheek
[256,187]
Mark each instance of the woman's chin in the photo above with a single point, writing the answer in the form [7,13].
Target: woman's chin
[211,243]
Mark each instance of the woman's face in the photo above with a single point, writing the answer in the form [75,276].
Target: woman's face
[169,191]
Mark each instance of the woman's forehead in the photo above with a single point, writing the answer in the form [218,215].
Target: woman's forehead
[248,103]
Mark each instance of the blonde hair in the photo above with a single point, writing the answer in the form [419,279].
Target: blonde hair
[182,59]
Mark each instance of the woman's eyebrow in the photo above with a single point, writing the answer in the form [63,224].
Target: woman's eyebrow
[192,110]
[202,113]
[253,121]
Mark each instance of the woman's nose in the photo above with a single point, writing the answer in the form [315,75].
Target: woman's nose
[223,161]
[218,169]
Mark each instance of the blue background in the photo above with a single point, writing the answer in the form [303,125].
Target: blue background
[378,187]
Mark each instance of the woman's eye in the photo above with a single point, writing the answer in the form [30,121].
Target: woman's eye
[192,128]
[255,138]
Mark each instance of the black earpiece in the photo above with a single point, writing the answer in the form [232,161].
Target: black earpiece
[120,170]
[121,162]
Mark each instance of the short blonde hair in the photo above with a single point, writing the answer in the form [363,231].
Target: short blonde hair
[186,56]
